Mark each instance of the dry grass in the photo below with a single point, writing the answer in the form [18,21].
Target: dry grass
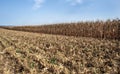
[32,53]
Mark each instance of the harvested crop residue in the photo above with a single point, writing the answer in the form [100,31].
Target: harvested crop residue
[32,53]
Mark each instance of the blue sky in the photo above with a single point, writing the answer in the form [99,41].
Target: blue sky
[36,12]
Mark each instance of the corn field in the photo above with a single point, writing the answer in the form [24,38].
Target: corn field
[109,29]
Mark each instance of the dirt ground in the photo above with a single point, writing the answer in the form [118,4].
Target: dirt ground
[33,53]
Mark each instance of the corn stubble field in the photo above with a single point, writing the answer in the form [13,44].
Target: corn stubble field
[38,53]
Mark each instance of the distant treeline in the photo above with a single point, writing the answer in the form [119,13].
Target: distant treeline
[109,29]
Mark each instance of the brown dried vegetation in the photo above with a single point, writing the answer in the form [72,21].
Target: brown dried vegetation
[37,53]
[33,53]
[109,29]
